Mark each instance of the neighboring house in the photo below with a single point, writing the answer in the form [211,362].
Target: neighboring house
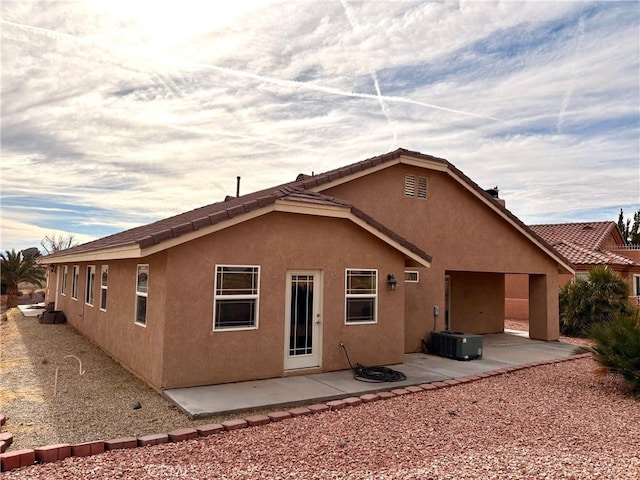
[376,255]
[587,245]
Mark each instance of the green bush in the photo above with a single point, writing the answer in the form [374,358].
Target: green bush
[617,347]
[584,303]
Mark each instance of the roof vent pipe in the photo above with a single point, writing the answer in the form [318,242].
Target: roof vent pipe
[237,187]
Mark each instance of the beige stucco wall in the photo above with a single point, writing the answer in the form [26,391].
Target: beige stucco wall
[459,231]
[473,309]
[197,355]
[516,302]
[136,347]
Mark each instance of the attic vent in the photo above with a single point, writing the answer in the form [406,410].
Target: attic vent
[415,186]
[409,186]
[422,187]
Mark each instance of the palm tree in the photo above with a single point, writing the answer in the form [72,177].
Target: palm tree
[15,269]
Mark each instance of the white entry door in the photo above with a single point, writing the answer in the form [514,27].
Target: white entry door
[303,328]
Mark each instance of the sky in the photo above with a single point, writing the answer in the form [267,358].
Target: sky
[119,113]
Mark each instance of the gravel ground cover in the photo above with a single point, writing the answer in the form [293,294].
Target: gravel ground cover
[567,420]
[560,421]
[97,405]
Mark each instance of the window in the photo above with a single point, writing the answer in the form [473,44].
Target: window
[361,293]
[411,276]
[415,186]
[75,273]
[63,287]
[142,287]
[636,285]
[89,283]
[104,280]
[236,297]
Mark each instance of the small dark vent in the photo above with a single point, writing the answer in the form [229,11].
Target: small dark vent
[302,176]
[587,228]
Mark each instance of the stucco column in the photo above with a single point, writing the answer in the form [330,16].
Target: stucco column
[544,320]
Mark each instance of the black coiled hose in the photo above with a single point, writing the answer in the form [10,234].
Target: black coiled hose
[373,374]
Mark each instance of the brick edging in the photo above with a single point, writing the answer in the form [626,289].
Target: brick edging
[53,453]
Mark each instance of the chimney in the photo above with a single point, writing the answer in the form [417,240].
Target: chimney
[494,193]
[237,186]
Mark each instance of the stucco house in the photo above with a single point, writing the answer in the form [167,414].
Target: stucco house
[586,245]
[376,254]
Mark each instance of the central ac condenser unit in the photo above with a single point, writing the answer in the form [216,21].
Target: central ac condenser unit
[456,345]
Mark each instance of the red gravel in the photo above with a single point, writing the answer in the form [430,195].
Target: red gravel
[560,421]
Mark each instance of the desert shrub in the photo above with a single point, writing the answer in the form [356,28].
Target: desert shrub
[583,303]
[617,346]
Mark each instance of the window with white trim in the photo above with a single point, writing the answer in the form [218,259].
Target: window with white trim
[104,283]
[236,296]
[415,186]
[411,276]
[89,283]
[75,274]
[636,285]
[63,287]
[142,290]
[361,296]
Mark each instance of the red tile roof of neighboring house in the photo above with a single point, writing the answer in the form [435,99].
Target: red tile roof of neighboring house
[580,255]
[582,243]
[588,234]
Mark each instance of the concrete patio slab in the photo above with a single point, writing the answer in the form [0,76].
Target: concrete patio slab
[499,351]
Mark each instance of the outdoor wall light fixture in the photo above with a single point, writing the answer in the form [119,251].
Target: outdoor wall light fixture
[391,280]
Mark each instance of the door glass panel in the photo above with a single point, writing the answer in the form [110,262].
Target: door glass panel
[301,336]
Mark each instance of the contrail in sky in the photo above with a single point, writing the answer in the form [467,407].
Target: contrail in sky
[275,81]
[337,91]
[572,86]
[376,83]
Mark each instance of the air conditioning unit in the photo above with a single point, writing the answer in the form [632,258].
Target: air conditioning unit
[456,345]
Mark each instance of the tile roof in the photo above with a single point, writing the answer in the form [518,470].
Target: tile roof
[588,234]
[580,255]
[582,243]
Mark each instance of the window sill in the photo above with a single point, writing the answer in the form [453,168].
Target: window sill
[234,329]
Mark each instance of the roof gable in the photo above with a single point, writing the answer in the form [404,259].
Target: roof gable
[351,172]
